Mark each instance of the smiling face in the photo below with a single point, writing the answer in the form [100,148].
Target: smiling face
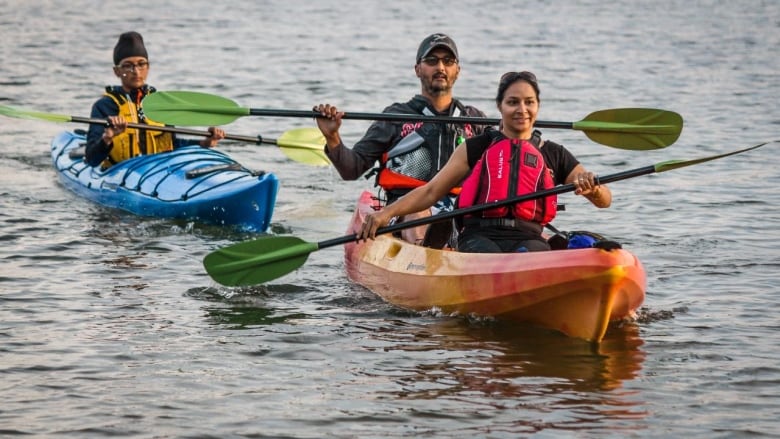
[436,77]
[519,108]
[132,71]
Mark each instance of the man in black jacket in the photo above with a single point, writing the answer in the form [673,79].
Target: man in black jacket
[409,153]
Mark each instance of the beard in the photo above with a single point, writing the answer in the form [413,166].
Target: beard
[435,87]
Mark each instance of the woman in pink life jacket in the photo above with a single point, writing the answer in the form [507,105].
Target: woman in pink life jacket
[499,164]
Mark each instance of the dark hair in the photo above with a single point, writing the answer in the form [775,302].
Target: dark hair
[510,78]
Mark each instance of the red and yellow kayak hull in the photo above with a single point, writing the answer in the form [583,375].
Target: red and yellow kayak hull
[577,292]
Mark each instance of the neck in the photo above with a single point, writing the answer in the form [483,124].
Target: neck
[440,103]
[512,134]
[130,89]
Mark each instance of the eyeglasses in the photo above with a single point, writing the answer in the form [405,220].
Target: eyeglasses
[434,61]
[130,67]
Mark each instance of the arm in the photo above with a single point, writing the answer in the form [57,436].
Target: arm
[99,137]
[423,196]
[585,182]
[354,162]
[568,170]
[217,134]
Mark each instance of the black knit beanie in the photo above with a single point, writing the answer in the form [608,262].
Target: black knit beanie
[129,44]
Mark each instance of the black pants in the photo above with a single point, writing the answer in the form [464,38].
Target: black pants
[473,241]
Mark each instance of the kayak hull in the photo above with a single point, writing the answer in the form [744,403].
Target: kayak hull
[577,292]
[222,192]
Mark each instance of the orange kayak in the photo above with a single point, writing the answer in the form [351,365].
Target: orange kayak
[577,292]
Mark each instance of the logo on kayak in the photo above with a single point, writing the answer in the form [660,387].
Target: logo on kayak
[416,267]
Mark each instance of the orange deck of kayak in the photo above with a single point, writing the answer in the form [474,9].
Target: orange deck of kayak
[577,292]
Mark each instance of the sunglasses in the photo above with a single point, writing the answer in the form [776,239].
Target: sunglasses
[434,61]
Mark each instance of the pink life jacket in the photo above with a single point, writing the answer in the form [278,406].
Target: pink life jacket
[508,168]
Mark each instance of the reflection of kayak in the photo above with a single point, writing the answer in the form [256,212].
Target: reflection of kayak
[519,362]
[190,183]
[577,292]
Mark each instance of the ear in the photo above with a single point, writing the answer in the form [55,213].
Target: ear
[417,69]
[117,72]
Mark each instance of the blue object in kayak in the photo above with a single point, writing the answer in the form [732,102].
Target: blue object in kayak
[190,183]
[577,240]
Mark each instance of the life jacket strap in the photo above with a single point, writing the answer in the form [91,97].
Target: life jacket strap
[502,222]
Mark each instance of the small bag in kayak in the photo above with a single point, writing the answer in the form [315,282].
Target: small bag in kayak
[581,239]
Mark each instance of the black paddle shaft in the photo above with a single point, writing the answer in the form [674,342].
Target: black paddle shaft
[169,129]
[473,209]
[391,117]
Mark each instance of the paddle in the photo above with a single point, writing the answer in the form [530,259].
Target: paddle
[269,257]
[303,145]
[625,128]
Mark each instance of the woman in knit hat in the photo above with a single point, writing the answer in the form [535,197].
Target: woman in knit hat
[121,104]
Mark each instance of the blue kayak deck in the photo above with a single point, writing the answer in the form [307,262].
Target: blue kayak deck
[191,183]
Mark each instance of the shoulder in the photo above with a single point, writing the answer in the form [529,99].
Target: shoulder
[104,105]
[412,106]
[476,146]
[552,146]
[559,159]
[474,112]
[469,110]
[555,152]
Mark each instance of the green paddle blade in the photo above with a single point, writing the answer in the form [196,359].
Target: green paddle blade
[304,145]
[636,129]
[676,164]
[35,115]
[190,108]
[257,261]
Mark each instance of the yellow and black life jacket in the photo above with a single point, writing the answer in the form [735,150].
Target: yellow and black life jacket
[134,142]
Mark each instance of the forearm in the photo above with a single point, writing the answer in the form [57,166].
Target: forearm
[98,142]
[98,147]
[600,196]
[347,162]
[417,200]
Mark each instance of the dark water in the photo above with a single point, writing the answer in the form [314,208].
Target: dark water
[109,325]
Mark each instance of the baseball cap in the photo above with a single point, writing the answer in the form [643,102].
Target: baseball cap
[433,41]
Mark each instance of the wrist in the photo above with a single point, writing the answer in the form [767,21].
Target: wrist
[108,140]
[330,147]
[333,141]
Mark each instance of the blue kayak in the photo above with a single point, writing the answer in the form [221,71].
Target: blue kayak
[190,183]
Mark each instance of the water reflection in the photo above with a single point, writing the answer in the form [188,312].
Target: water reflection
[506,365]
[239,311]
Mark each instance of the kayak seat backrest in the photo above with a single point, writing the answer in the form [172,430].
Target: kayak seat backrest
[78,153]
